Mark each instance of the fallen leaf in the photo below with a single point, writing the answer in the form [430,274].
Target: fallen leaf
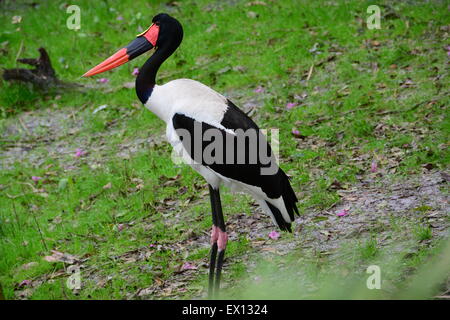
[100,108]
[256,3]
[336,185]
[28,265]
[314,49]
[129,85]
[239,68]
[211,28]
[407,83]
[61,257]
[16,19]
[188,266]
[224,70]
[159,282]
[145,292]
[23,294]
[300,97]
[252,14]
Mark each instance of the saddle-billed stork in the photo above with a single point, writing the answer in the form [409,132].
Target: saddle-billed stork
[190,110]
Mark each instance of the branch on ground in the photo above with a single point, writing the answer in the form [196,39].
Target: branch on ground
[42,76]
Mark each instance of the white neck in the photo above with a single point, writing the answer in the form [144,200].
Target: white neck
[160,103]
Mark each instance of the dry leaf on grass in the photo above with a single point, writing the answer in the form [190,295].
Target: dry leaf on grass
[61,257]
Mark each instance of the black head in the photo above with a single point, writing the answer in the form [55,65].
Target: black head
[170,31]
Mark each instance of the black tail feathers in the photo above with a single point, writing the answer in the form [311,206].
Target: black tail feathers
[282,224]
[289,197]
[290,200]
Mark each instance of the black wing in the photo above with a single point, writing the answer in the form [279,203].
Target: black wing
[239,160]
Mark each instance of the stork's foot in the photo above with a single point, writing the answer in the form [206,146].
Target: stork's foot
[212,265]
[219,241]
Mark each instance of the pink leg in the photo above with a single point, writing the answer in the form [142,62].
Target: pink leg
[222,240]
[219,236]
[214,234]
[221,245]
[219,241]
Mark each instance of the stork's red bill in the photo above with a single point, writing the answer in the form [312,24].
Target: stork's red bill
[143,43]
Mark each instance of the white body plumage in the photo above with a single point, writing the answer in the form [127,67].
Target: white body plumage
[198,101]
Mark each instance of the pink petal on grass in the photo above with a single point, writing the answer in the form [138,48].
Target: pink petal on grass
[103,80]
[274,235]
[24,283]
[295,132]
[259,89]
[120,18]
[120,227]
[373,166]
[291,105]
[35,178]
[188,266]
[79,153]
[343,213]
[135,71]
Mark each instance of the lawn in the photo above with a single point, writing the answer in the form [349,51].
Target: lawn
[87,182]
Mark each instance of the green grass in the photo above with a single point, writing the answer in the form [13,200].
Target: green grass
[356,110]
[368,249]
[423,233]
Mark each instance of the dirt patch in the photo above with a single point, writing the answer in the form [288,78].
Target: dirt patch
[36,136]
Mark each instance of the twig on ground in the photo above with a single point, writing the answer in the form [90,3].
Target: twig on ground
[40,232]
[310,72]
[19,52]
[25,127]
